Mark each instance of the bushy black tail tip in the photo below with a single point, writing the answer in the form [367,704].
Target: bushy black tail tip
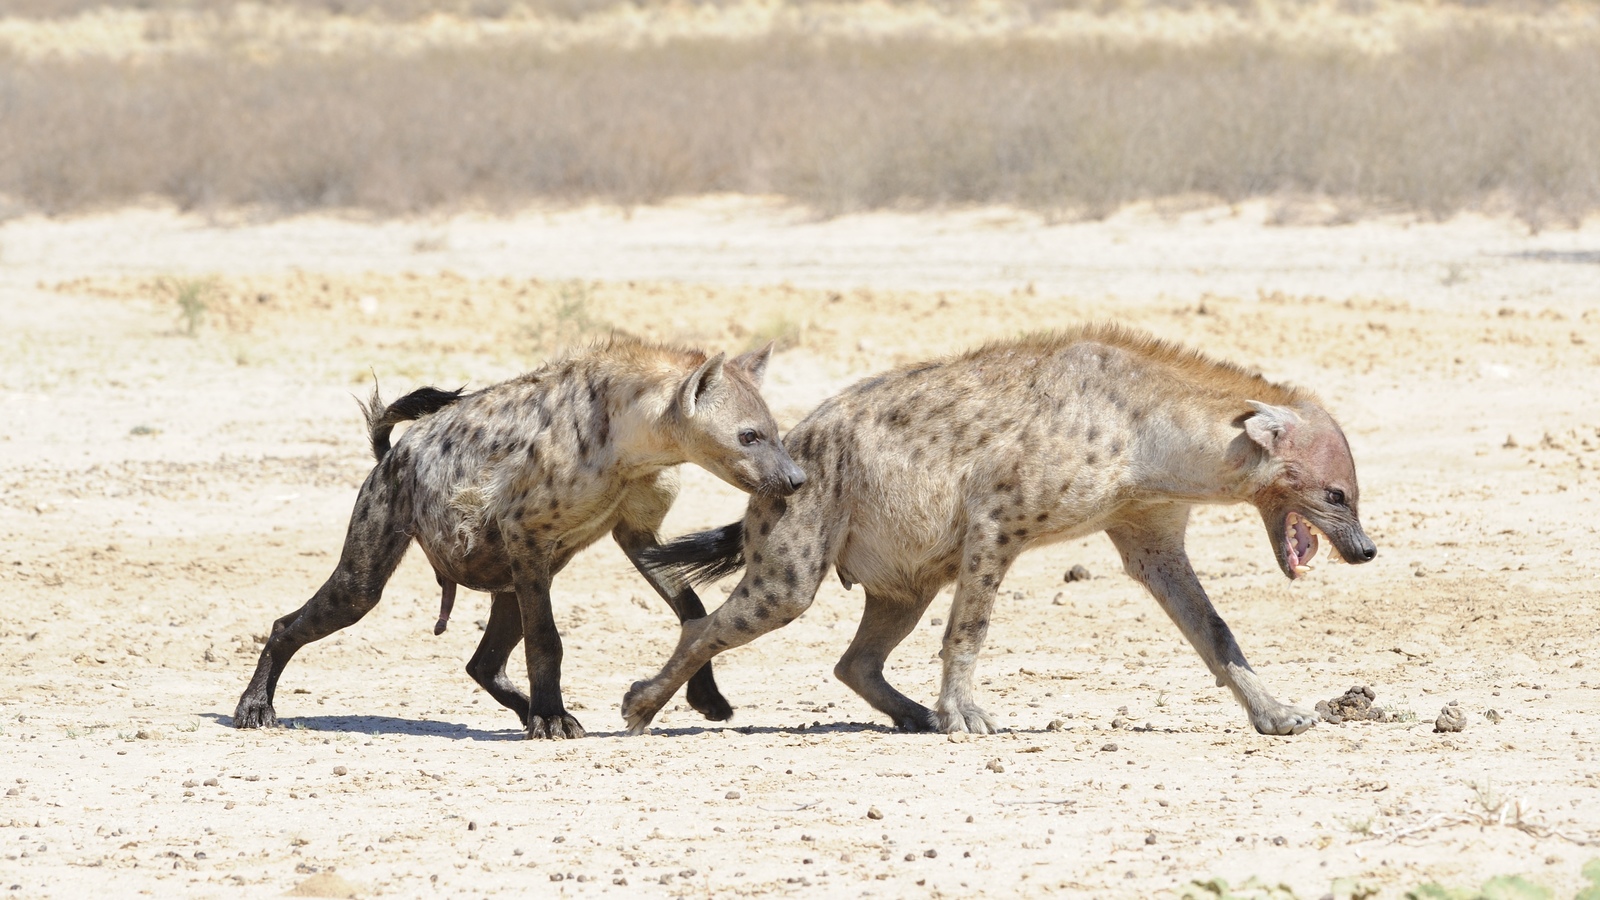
[699,558]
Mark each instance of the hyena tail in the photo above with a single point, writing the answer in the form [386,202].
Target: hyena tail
[701,557]
[382,419]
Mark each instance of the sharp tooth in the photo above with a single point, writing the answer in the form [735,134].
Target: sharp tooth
[1301,570]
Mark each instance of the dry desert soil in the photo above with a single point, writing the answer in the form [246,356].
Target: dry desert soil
[164,495]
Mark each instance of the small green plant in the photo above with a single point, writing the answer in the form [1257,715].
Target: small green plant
[192,296]
[1358,826]
[1501,887]
[192,726]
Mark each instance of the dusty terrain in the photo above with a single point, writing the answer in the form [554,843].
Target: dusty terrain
[164,496]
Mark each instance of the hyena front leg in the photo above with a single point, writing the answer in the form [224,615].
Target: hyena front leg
[1152,553]
[702,693]
[889,616]
[787,551]
[642,513]
[985,556]
[488,664]
[373,546]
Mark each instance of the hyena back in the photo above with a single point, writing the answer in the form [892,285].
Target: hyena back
[501,487]
[946,471]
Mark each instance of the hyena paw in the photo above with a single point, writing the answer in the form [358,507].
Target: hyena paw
[705,699]
[965,717]
[1283,719]
[922,722]
[254,713]
[637,711]
[557,727]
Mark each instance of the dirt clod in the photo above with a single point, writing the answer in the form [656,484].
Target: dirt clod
[1451,718]
[1355,705]
[1077,573]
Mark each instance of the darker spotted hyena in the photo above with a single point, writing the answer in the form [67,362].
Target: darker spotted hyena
[502,486]
[946,471]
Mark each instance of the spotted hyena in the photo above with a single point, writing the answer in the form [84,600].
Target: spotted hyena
[502,486]
[946,471]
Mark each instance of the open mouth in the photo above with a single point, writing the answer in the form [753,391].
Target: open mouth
[1300,542]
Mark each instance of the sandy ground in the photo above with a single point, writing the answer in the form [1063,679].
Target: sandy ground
[163,497]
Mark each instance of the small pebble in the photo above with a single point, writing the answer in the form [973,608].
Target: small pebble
[874,813]
[911,857]
[1150,838]
[731,795]
[1077,573]
[472,826]
[1492,715]
[995,765]
[340,770]
[1108,748]
[930,853]
[1055,725]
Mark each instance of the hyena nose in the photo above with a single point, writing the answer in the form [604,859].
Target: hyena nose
[1369,550]
[797,478]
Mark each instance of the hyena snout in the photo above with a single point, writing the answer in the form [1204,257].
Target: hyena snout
[783,476]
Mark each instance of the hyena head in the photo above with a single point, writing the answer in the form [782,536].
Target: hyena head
[724,426]
[1306,485]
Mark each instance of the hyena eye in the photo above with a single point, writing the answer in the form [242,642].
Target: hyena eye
[1336,496]
[749,436]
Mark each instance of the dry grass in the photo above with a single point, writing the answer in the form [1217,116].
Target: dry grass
[1461,118]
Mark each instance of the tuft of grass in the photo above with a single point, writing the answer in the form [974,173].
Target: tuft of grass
[784,332]
[192,295]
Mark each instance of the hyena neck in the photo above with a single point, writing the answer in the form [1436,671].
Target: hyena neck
[642,435]
[1205,459]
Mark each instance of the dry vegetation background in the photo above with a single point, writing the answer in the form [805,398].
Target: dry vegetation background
[400,106]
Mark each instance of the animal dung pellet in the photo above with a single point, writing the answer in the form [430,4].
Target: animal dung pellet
[1451,718]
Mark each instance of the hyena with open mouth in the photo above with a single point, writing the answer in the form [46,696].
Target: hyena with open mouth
[501,487]
[946,471]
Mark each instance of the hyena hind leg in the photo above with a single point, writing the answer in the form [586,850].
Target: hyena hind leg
[888,618]
[373,548]
[488,664]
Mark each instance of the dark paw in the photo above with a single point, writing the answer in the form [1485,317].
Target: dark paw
[556,728]
[917,723]
[254,714]
[704,697]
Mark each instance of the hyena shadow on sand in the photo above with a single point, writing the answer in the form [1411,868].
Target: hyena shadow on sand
[502,486]
[946,471]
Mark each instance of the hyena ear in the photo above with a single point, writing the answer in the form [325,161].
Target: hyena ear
[754,363]
[703,379]
[1270,424]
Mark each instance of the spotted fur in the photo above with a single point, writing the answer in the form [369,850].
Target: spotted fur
[946,471]
[501,487]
